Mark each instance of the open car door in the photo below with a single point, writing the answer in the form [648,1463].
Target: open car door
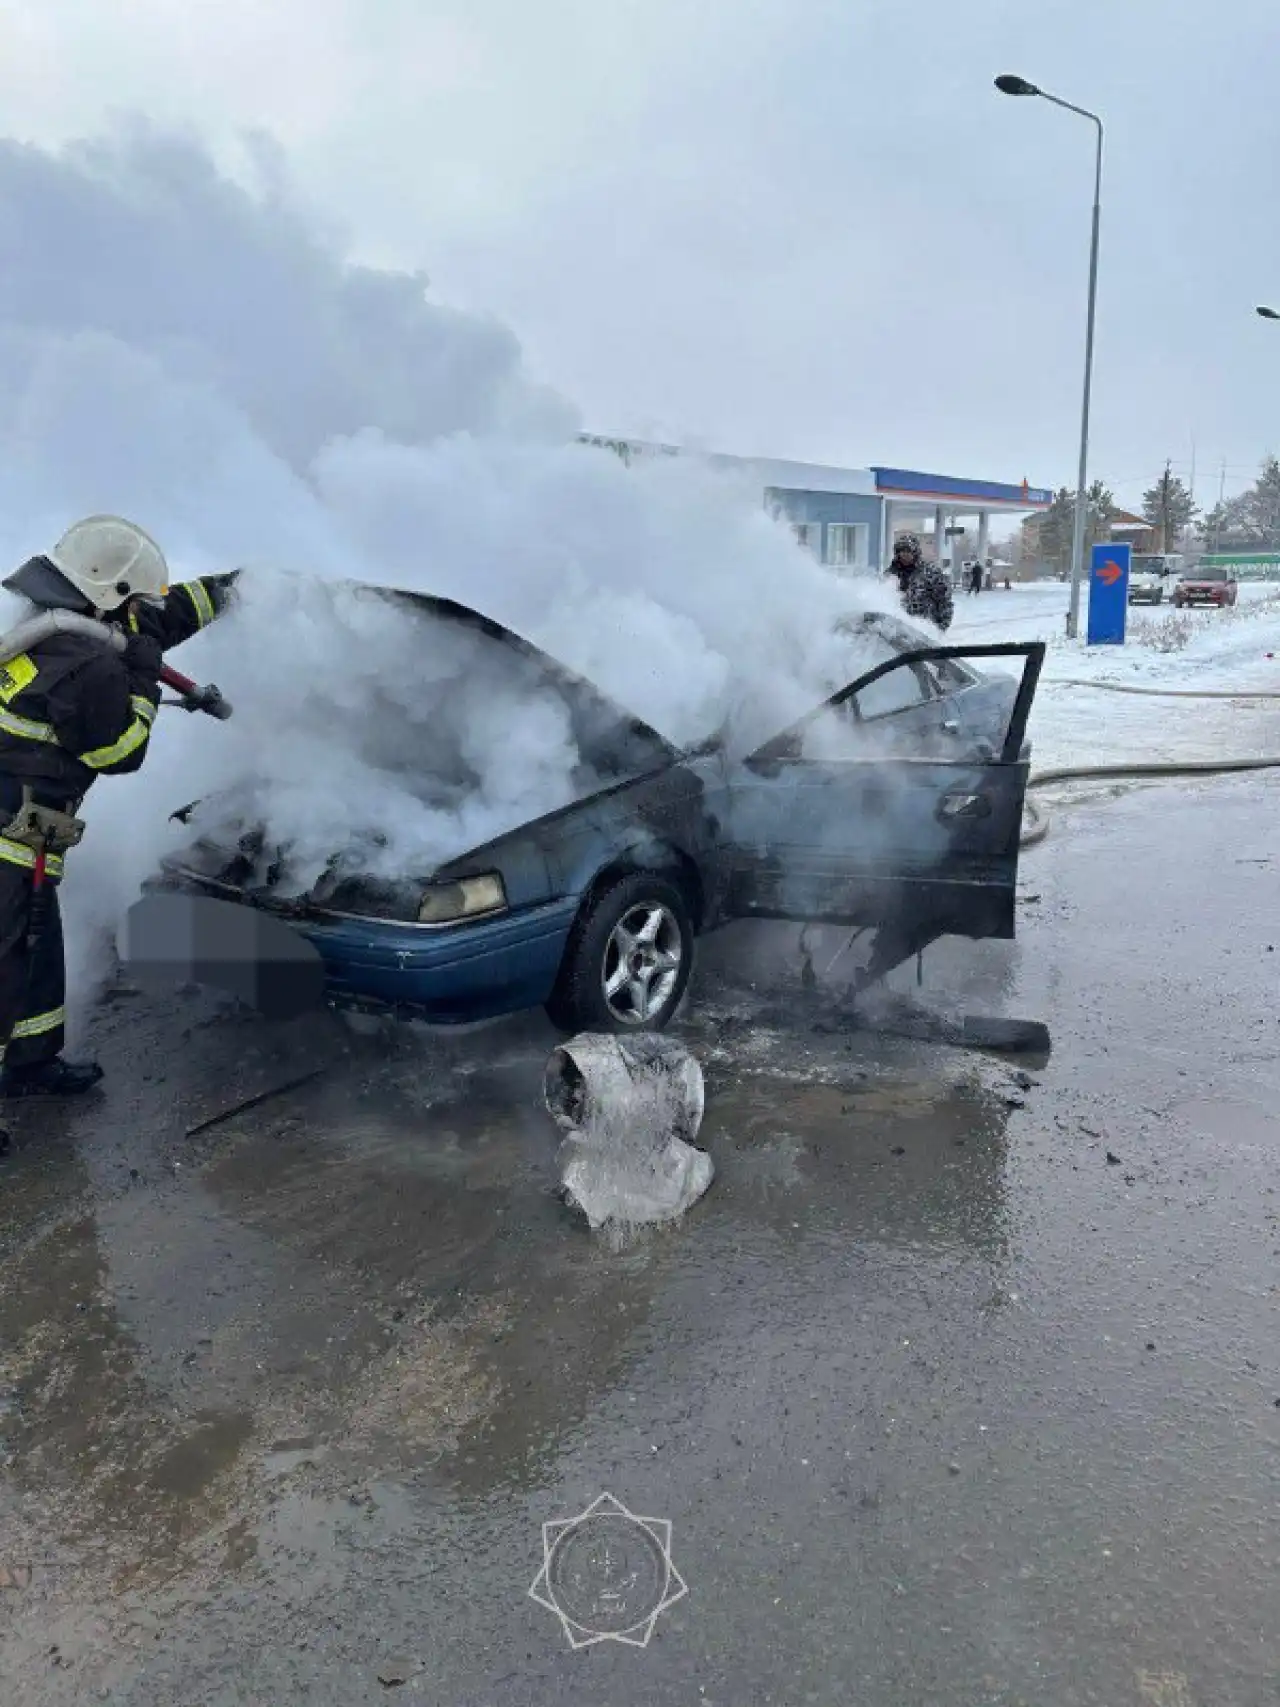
[896,804]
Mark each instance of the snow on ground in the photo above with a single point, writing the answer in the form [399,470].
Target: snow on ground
[1234,651]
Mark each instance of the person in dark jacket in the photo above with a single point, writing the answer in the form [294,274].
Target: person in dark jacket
[925,589]
[72,709]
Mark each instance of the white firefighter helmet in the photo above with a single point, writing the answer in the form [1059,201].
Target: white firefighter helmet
[110,560]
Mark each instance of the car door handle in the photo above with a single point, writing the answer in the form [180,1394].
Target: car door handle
[961,804]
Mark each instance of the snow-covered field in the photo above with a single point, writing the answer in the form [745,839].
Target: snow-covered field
[1233,651]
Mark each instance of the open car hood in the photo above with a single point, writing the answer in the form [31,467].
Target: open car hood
[613,744]
[582,695]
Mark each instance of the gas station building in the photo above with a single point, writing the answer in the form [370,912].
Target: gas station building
[848,517]
[910,497]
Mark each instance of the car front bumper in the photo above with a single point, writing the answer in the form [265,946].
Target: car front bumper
[450,975]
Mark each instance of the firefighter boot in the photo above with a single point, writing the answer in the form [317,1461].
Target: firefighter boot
[55,1078]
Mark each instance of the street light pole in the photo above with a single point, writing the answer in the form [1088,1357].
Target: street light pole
[1011,85]
[1267,314]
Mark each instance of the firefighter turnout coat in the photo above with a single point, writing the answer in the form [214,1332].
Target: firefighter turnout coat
[70,712]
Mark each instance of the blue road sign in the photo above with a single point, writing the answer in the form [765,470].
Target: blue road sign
[1108,594]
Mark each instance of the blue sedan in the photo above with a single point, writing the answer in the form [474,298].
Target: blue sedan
[894,805]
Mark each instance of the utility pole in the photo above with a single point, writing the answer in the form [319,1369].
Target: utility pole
[1222,488]
[1164,505]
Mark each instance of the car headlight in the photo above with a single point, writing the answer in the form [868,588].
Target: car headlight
[444,903]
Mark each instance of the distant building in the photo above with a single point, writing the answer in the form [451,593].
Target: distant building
[1124,527]
[1133,530]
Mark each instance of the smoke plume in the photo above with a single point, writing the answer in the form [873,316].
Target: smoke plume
[202,358]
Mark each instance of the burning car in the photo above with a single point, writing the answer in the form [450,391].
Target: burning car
[895,805]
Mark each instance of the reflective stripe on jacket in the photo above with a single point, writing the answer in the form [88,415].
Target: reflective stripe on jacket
[18,853]
[71,710]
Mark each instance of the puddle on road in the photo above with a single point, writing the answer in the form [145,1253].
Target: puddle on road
[773,1165]
[373,1281]
[113,1474]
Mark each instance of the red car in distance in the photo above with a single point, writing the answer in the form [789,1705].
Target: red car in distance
[1205,587]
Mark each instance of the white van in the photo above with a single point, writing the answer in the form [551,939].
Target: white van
[1151,574]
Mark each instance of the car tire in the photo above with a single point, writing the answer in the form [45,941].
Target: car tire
[581,1000]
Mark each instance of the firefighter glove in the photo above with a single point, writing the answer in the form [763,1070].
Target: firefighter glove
[144,656]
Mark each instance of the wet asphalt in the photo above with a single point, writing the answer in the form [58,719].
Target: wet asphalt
[962,1385]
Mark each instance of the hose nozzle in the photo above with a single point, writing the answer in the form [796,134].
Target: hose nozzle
[193,697]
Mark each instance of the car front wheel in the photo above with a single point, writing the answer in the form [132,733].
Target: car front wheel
[628,960]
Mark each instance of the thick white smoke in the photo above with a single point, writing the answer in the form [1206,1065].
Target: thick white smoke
[178,350]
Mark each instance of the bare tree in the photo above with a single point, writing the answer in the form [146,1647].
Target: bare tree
[1261,506]
[1251,520]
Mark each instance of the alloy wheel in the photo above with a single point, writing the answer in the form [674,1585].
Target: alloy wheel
[642,962]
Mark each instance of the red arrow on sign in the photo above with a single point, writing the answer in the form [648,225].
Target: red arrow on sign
[1110,573]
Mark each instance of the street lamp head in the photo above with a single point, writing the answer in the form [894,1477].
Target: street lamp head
[1008,84]
[1269,313]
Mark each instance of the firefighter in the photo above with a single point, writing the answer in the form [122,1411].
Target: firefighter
[71,710]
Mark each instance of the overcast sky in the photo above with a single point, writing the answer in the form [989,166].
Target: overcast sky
[804,228]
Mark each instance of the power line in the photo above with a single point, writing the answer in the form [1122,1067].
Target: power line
[1153,474]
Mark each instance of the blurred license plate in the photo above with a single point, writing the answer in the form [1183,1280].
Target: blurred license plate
[186,939]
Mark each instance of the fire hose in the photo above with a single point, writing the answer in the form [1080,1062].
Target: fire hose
[191,696]
[1038,828]
[1160,693]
